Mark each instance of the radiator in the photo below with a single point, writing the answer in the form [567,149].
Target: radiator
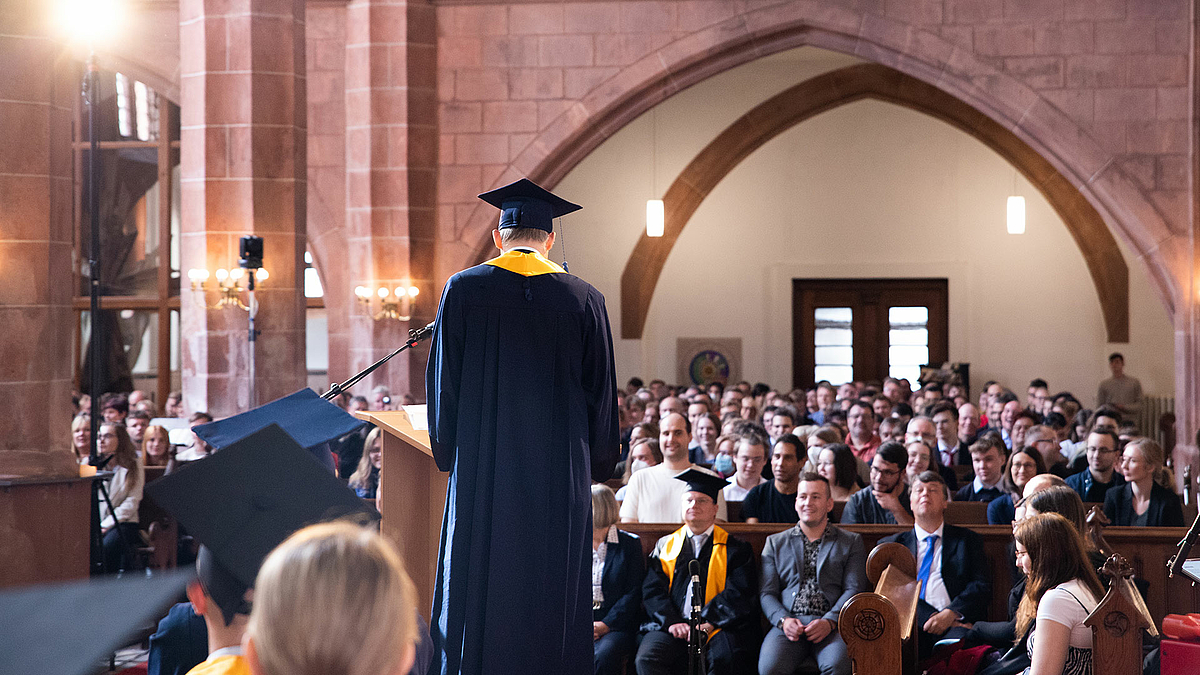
[1153,408]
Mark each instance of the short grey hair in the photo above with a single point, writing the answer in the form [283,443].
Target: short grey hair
[604,507]
[523,235]
[382,389]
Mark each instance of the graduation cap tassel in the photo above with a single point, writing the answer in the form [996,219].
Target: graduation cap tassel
[563,237]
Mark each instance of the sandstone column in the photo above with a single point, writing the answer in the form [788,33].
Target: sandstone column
[242,85]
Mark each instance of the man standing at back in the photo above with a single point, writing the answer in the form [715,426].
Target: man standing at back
[522,413]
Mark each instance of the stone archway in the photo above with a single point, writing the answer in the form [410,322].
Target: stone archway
[921,54]
[830,90]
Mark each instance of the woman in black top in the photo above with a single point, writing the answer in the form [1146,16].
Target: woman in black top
[1145,498]
[618,569]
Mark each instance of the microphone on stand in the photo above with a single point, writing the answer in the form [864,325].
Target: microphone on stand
[694,570]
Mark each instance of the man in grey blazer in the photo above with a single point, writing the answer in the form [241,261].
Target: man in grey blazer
[808,573]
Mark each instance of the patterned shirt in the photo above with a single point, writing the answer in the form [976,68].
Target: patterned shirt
[598,555]
[810,601]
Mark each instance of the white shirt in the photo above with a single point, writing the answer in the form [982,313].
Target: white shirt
[654,496]
[698,541]
[598,555]
[980,485]
[736,493]
[235,650]
[1068,604]
[935,590]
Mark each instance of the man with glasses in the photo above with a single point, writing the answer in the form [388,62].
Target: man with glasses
[1045,440]
[1100,475]
[887,500]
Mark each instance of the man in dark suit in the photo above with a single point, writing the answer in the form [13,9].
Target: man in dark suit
[808,573]
[728,580]
[952,568]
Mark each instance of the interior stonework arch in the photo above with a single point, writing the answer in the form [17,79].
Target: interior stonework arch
[921,54]
[824,92]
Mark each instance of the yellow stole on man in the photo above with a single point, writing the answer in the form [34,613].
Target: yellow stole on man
[718,561]
[525,263]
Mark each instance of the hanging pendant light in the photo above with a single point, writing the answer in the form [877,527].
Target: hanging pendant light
[655,210]
[655,218]
[1016,215]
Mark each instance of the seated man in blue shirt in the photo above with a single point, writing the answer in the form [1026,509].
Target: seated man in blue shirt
[1100,474]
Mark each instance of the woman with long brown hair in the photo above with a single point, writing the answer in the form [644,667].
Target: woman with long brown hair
[1061,589]
[156,447]
[120,526]
[1021,466]
[365,479]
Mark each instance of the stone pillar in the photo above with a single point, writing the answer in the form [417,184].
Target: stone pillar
[242,85]
[391,168]
[37,91]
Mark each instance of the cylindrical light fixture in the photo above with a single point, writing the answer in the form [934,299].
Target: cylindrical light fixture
[1016,215]
[655,218]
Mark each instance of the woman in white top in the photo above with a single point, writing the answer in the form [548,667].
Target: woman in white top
[125,492]
[1060,591]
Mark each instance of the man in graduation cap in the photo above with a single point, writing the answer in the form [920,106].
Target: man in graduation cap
[522,412]
[728,579]
[240,504]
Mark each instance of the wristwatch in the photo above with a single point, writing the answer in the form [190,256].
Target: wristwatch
[780,624]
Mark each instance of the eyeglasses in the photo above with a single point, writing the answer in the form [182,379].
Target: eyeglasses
[108,435]
[888,472]
[1101,450]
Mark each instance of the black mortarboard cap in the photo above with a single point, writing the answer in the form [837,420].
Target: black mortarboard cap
[305,416]
[71,628]
[527,204]
[243,501]
[702,481]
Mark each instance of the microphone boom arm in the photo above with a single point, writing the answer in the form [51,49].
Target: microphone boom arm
[414,336]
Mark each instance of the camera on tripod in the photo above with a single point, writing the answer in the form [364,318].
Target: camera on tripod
[251,252]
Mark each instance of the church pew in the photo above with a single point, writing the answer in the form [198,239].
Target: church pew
[1146,548]
[878,627]
[1117,623]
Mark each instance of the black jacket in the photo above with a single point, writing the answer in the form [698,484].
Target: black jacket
[1165,509]
[965,569]
[624,572]
[735,607]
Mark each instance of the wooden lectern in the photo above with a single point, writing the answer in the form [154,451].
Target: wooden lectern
[414,496]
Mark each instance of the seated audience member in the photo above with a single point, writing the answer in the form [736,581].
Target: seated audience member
[749,459]
[137,396]
[837,417]
[365,479]
[114,407]
[81,437]
[887,501]
[775,500]
[838,465]
[956,583]
[920,459]
[1022,422]
[653,494]
[198,449]
[1104,418]
[135,424]
[1058,423]
[921,428]
[1100,475]
[179,644]
[862,438]
[987,459]
[951,449]
[825,399]
[1061,589]
[618,571]
[783,422]
[882,406]
[82,403]
[1145,499]
[808,573]
[1009,407]
[723,464]
[1021,467]
[818,439]
[728,580]
[894,391]
[703,450]
[120,526]
[968,423]
[642,455]
[891,430]
[671,404]
[1045,440]
[358,580]
[156,447]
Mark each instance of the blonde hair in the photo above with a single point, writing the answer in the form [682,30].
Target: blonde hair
[1156,458]
[362,473]
[80,421]
[604,506]
[326,582]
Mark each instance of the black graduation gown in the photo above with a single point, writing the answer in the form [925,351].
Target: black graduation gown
[522,413]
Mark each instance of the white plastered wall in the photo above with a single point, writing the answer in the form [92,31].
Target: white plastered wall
[869,189]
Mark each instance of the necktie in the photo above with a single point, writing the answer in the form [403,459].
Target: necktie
[697,544]
[926,563]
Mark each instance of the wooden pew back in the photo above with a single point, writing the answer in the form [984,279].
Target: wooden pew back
[878,627]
